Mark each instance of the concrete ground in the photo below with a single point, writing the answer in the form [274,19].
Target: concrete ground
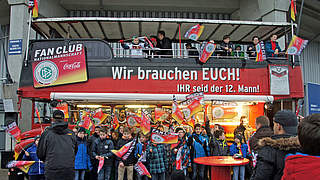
[3,174]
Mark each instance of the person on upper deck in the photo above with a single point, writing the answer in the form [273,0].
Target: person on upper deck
[226,46]
[272,47]
[136,47]
[164,43]
[251,50]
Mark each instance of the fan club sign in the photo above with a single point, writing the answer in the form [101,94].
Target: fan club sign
[59,65]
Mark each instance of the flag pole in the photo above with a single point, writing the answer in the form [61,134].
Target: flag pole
[28,38]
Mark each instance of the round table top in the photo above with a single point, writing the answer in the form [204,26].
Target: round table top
[221,161]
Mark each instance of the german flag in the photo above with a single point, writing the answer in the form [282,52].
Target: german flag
[293,10]
[35,9]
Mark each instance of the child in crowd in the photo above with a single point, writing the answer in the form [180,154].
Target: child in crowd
[238,53]
[226,46]
[140,152]
[158,161]
[239,150]
[82,160]
[126,165]
[181,152]
[102,149]
[199,147]
[36,171]
[136,47]
[218,144]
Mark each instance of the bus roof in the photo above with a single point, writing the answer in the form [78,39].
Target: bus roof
[114,29]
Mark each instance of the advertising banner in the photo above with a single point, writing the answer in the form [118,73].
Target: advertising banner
[59,65]
[279,80]
[313,98]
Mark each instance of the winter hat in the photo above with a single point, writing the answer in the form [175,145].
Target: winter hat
[238,137]
[81,129]
[57,114]
[288,120]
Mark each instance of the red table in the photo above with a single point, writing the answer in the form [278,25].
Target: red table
[221,165]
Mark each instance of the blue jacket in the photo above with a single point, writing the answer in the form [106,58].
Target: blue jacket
[234,150]
[38,167]
[269,51]
[82,159]
[198,148]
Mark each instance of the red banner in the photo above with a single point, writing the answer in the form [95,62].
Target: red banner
[123,150]
[133,119]
[99,116]
[101,163]
[141,169]
[194,32]
[14,131]
[160,114]
[59,65]
[160,137]
[22,165]
[64,108]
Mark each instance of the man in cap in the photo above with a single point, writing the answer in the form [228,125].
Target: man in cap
[272,151]
[57,148]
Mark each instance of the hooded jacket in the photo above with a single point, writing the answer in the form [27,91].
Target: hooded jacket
[271,156]
[82,160]
[262,132]
[199,146]
[301,166]
[57,148]
[38,167]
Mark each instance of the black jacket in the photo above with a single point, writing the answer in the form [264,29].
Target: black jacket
[219,147]
[103,147]
[223,51]
[252,52]
[90,143]
[57,148]
[262,132]
[131,160]
[165,43]
[271,156]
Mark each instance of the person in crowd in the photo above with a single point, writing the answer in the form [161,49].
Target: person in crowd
[121,128]
[272,47]
[218,144]
[102,149]
[239,150]
[305,165]
[114,139]
[82,161]
[94,162]
[75,130]
[164,43]
[57,148]
[251,49]
[241,128]
[126,165]
[36,171]
[199,147]
[158,161]
[272,152]
[181,150]
[140,152]
[192,51]
[136,47]
[263,130]
[226,46]
[238,53]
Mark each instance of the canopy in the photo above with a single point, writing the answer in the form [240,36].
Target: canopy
[113,29]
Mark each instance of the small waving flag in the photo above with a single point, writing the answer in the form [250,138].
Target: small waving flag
[293,10]
[14,131]
[101,163]
[23,165]
[115,122]
[141,169]
[145,123]
[87,124]
[261,53]
[296,45]
[206,51]
[125,150]
[179,159]
[99,115]
[194,32]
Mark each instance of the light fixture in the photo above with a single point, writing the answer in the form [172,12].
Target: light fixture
[139,106]
[88,106]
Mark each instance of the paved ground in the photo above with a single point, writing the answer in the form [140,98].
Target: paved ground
[3,174]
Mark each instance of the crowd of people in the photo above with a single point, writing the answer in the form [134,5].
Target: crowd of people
[139,47]
[290,151]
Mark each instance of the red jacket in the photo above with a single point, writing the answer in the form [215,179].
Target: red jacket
[301,166]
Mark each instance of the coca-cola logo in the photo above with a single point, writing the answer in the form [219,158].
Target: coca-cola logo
[75,65]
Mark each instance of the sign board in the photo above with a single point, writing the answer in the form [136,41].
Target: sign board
[15,47]
[59,65]
[313,92]
[279,80]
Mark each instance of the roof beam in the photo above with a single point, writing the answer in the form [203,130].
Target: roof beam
[213,32]
[249,33]
[102,30]
[86,29]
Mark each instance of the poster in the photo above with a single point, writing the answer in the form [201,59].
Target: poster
[279,80]
[59,65]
